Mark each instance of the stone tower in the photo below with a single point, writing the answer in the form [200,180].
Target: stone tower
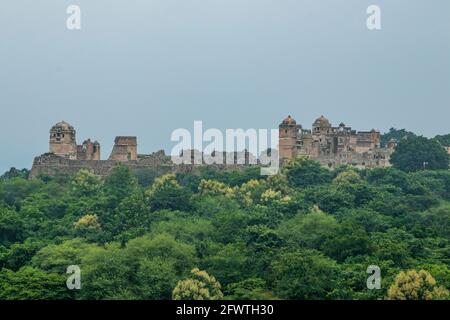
[63,140]
[321,125]
[125,149]
[88,150]
[287,137]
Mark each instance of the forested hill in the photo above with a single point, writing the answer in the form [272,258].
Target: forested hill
[305,233]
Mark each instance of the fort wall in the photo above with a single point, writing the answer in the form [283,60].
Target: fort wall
[330,146]
[51,165]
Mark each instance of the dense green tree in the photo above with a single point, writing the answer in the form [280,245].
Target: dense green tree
[231,177]
[15,173]
[305,233]
[368,219]
[444,140]
[413,285]
[229,264]
[86,183]
[165,247]
[397,135]
[436,221]
[395,245]
[120,184]
[303,172]
[419,153]
[436,181]
[201,286]
[56,258]
[192,230]
[167,193]
[32,284]
[14,191]
[309,230]
[262,246]
[155,279]
[331,199]
[107,273]
[145,177]
[249,289]
[228,224]
[440,272]
[349,241]
[88,227]
[130,218]
[304,274]
[20,254]
[11,226]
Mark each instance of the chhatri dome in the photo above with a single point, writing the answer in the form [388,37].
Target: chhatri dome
[62,126]
[289,121]
[322,122]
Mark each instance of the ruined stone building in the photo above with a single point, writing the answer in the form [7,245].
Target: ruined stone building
[333,146]
[125,149]
[65,156]
[63,143]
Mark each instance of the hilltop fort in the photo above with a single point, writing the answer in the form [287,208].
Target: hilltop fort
[331,146]
[65,156]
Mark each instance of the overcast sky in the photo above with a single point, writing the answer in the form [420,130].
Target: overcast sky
[147,67]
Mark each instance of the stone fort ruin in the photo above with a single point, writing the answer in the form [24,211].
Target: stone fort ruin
[65,156]
[331,146]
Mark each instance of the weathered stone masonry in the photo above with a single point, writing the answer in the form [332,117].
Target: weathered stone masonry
[331,146]
[65,156]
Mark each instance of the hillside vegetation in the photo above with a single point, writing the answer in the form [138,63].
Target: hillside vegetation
[305,233]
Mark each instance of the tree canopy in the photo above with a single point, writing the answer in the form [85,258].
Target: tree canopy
[306,233]
[419,153]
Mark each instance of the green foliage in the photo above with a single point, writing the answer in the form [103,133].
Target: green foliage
[249,289]
[229,264]
[444,140]
[145,177]
[32,284]
[232,178]
[302,172]
[305,233]
[120,183]
[11,226]
[156,279]
[419,153]
[396,135]
[15,173]
[20,254]
[304,274]
[14,191]
[167,193]
[413,285]
[146,268]
[310,230]
[85,183]
[201,286]
[56,258]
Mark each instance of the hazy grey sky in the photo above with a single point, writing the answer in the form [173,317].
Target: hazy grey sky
[148,67]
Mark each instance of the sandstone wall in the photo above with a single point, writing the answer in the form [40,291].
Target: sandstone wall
[50,165]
